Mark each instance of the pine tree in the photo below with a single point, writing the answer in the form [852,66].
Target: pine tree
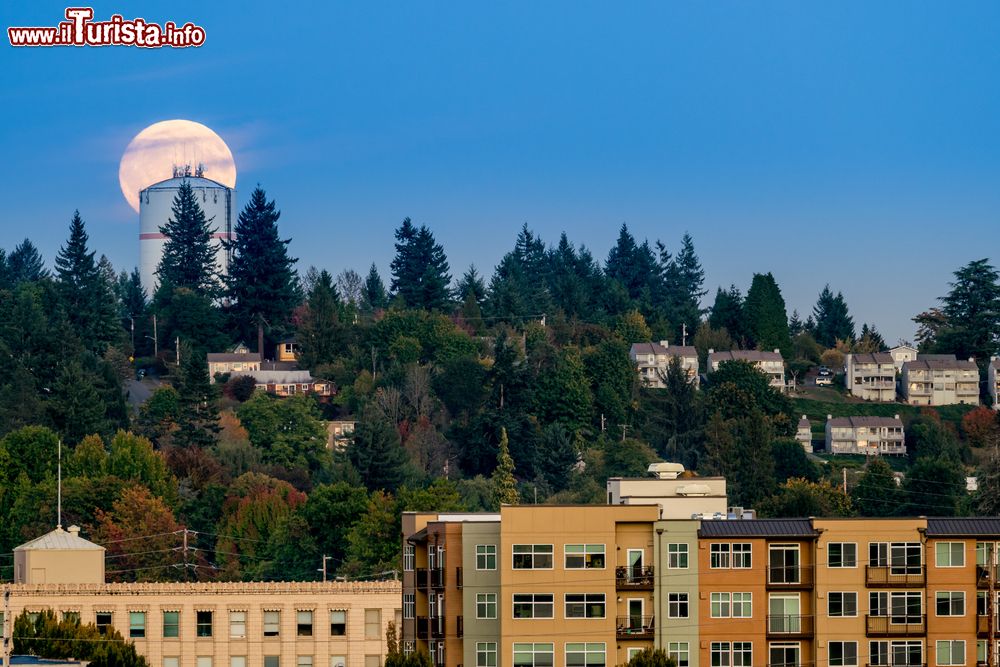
[877,493]
[795,324]
[132,294]
[471,294]
[197,421]
[767,320]
[87,297]
[188,254]
[322,334]
[420,269]
[683,279]
[507,296]
[25,264]
[262,284]
[529,250]
[567,283]
[373,294]
[503,482]
[832,320]
[870,340]
[728,313]
[972,311]
[377,454]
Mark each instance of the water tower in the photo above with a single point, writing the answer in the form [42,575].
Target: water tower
[216,200]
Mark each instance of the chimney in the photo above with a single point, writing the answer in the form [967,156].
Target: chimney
[74,530]
[829,417]
[777,351]
[665,343]
[896,417]
[711,350]
[804,417]
[972,359]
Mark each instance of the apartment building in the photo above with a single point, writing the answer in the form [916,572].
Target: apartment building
[870,436]
[871,376]
[678,494]
[940,380]
[770,363]
[209,624]
[993,381]
[901,354]
[653,359]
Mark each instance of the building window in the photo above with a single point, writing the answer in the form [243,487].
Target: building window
[532,557]
[272,623]
[237,624]
[486,654]
[951,652]
[842,604]
[238,661]
[732,654]
[842,554]
[843,654]
[736,555]
[373,623]
[741,555]
[949,554]
[409,605]
[486,556]
[533,605]
[585,605]
[591,654]
[584,556]
[732,605]
[203,623]
[374,660]
[341,660]
[983,548]
[203,661]
[533,655]
[137,624]
[271,661]
[950,603]
[171,624]
[677,556]
[304,623]
[486,605]
[409,557]
[304,661]
[71,616]
[680,652]
[677,605]
[171,661]
[721,605]
[895,653]
[719,556]
[102,620]
[338,623]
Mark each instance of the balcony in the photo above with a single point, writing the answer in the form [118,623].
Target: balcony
[437,627]
[789,577]
[983,575]
[421,573]
[634,578]
[897,664]
[789,627]
[437,578]
[894,576]
[896,626]
[791,664]
[461,626]
[423,627]
[458,577]
[634,627]
[983,623]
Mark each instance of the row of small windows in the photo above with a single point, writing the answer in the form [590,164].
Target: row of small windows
[272,661]
[205,623]
[948,653]
[542,654]
[530,605]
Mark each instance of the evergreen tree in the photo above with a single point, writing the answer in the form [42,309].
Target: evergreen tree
[529,250]
[420,269]
[972,310]
[188,258]
[471,287]
[25,264]
[87,297]
[41,634]
[562,392]
[832,320]
[197,420]
[557,456]
[508,296]
[503,482]
[634,267]
[373,294]
[727,313]
[767,321]
[795,324]
[75,405]
[6,279]
[262,284]
[568,280]
[676,418]
[377,454]
[132,294]
[322,333]
[870,340]
[683,279]
[876,493]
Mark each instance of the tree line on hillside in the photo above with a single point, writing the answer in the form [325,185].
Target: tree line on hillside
[465,394]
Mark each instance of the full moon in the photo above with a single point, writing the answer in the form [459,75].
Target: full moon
[152,154]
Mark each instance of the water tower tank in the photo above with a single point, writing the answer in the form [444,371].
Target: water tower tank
[216,200]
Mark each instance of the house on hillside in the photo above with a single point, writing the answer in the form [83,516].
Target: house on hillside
[288,350]
[289,382]
[871,376]
[870,436]
[240,358]
[653,359]
[770,363]
[993,381]
[901,354]
[940,379]
[804,434]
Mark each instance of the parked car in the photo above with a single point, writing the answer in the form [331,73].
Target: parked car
[825,372]
[824,380]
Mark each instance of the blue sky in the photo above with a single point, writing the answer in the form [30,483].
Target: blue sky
[850,143]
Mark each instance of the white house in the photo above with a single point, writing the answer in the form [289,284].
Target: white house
[901,354]
[940,379]
[871,436]
[871,376]
[804,434]
[771,363]
[652,359]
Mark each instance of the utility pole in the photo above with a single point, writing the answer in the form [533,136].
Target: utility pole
[177,343]
[684,334]
[323,568]
[843,472]
[132,326]
[156,339]
[602,422]
[624,426]
[260,337]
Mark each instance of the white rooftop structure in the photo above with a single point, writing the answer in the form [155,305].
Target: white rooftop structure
[678,496]
[59,557]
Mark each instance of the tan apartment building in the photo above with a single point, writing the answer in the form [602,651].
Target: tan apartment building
[870,436]
[653,360]
[209,624]
[770,363]
[993,382]
[871,376]
[940,380]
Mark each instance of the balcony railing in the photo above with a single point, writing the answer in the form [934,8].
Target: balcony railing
[789,626]
[437,578]
[983,625]
[458,577]
[897,664]
[634,578]
[894,575]
[461,627]
[423,627]
[789,576]
[421,573]
[896,626]
[790,664]
[982,575]
[437,627]
[635,627]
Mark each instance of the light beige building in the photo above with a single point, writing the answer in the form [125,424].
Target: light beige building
[653,359]
[288,382]
[940,379]
[770,363]
[993,381]
[339,433]
[871,376]
[209,624]
[803,434]
[240,358]
[678,496]
[901,354]
[871,436]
